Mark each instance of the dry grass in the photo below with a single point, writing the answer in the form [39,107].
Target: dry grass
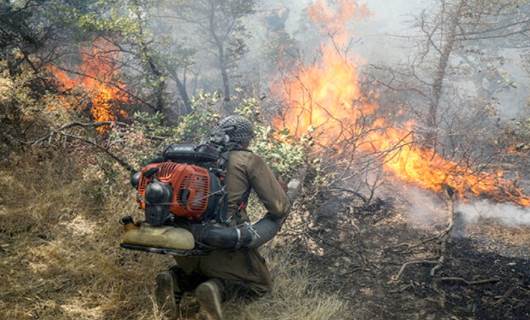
[59,254]
[295,296]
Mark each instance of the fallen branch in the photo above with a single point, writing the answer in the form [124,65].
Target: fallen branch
[442,236]
[406,264]
[467,282]
[410,245]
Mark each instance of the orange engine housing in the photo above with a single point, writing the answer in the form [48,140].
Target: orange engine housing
[191,186]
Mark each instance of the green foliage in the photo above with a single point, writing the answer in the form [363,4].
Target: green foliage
[86,18]
[196,125]
[284,153]
[151,124]
[93,22]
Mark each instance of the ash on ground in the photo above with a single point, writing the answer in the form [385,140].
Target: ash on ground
[360,248]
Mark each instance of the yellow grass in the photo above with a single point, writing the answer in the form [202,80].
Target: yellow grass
[60,259]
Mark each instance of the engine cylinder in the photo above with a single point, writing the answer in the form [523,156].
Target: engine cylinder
[158,199]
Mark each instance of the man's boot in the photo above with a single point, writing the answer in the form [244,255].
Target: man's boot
[165,293]
[208,295]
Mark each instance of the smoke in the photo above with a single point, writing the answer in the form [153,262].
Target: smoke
[423,209]
[376,37]
[507,214]
[426,211]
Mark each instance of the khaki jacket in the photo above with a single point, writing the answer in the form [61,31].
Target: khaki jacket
[243,269]
[247,171]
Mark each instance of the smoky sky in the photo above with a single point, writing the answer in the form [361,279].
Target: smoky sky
[389,37]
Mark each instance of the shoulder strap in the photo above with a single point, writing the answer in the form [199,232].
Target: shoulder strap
[242,204]
[241,149]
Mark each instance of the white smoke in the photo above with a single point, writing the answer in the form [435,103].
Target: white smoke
[507,214]
[424,210]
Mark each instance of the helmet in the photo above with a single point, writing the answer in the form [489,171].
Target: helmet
[238,128]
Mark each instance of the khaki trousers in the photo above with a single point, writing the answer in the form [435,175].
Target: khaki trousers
[242,272]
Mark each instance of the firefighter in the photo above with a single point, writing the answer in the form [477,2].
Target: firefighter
[240,271]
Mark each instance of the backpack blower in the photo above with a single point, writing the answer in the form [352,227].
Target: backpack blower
[183,187]
[184,200]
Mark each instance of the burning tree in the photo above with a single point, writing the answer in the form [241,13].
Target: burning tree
[327,98]
[98,76]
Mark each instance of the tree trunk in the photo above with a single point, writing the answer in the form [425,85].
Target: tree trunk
[224,75]
[181,87]
[441,71]
[146,53]
[161,84]
[169,113]
[221,54]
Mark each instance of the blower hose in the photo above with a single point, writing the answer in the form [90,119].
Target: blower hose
[243,236]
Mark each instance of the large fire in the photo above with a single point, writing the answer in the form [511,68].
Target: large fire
[98,77]
[326,97]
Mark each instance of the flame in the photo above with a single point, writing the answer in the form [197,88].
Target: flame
[326,98]
[98,76]
[320,97]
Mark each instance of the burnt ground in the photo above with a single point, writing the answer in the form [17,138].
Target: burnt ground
[360,250]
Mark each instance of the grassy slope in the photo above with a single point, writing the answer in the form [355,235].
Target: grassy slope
[59,254]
